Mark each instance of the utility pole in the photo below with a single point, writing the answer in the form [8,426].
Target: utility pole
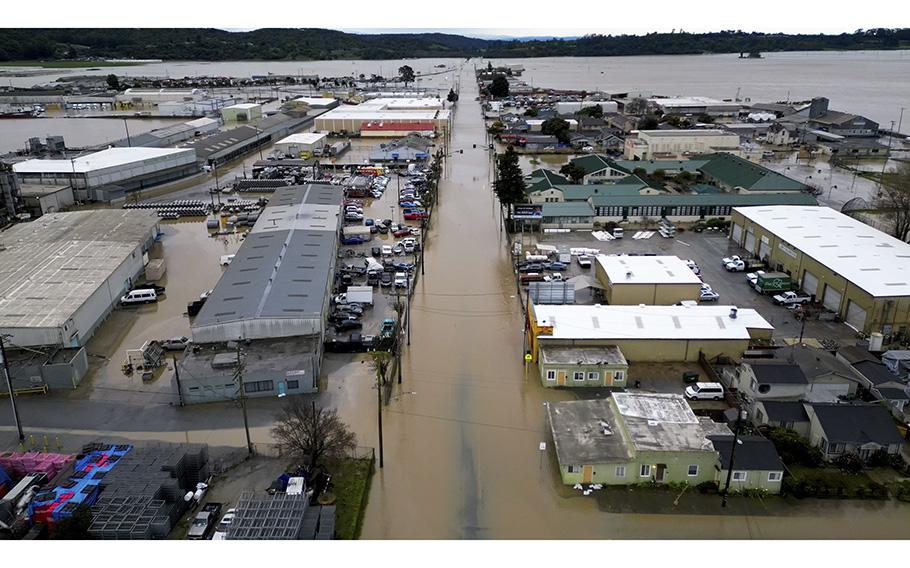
[177,378]
[408,315]
[900,120]
[739,422]
[127,126]
[238,376]
[9,385]
[379,414]
[423,240]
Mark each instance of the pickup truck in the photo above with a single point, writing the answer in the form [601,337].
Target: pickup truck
[204,521]
[791,299]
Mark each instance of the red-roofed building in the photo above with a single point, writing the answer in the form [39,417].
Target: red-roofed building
[393,128]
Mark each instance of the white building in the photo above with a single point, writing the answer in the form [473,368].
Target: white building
[242,112]
[63,273]
[385,110]
[696,105]
[676,144]
[295,144]
[571,107]
[156,96]
[317,102]
[128,168]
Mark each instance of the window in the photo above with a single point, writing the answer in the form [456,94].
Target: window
[258,386]
[551,375]
[775,475]
[645,470]
[619,376]
[579,376]
[593,376]
[293,385]
[693,470]
[739,476]
[574,469]
[620,471]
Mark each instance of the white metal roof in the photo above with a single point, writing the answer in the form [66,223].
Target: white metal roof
[670,102]
[646,270]
[303,138]
[243,106]
[870,259]
[315,101]
[648,322]
[112,157]
[349,113]
[686,132]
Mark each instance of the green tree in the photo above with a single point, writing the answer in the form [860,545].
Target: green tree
[499,87]
[509,185]
[659,174]
[636,106]
[113,82]
[595,111]
[531,112]
[497,127]
[406,74]
[573,171]
[556,127]
[705,118]
[893,201]
[452,96]
[649,122]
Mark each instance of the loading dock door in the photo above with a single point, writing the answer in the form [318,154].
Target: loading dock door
[764,249]
[810,283]
[737,234]
[750,242]
[856,316]
[832,299]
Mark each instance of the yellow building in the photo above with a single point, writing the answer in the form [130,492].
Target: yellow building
[648,333]
[653,280]
[854,270]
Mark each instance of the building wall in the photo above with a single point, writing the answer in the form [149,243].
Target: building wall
[676,469]
[606,375]
[743,380]
[660,350]
[881,312]
[219,385]
[755,479]
[650,294]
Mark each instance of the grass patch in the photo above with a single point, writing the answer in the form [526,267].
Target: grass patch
[74,64]
[830,482]
[351,479]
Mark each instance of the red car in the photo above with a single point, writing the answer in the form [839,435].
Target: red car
[403,232]
[414,215]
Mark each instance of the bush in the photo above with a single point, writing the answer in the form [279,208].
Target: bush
[902,491]
[754,492]
[707,487]
[794,449]
[849,463]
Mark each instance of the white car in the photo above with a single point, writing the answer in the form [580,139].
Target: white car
[226,259]
[398,248]
[175,343]
[728,259]
[584,261]
[206,294]
[401,280]
[708,295]
[692,266]
[705,391]
[386,250]
[221,529]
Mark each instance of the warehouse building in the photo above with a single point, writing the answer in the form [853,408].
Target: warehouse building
[854,270]
[319,103]
[296,144]
[653,280]
[242,112]
[126,168]
[172,135]
[40,199]
[273,298]
[648,333]
[407,111]
[654,144]
[64,273]
[695,106]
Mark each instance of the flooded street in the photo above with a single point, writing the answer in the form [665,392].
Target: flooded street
[462,431]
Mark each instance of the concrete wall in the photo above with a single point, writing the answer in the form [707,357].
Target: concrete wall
[66,374]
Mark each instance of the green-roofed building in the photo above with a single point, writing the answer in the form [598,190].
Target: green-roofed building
[735,174]
[669,167]
[578,215]
[686,208]
[599,168]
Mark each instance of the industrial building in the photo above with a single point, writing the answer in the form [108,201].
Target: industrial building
[126,168]
[675,144]
[40,199]
[572,107]
[273,299]
[351,119]
[155,96]
[654,280]
[201,107]
[321,103]
[242,112]
[696,106]
[296,144]
[648,333]
[64,273]
[632,438]
[172,135]
[854,270]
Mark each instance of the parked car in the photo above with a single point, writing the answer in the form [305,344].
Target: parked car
[401,280]
[560,266]
[531,267]
[222,528]
[140,296]
[347,325]
[791,299]
[175,343]
[705,391]
[353,216]
[414,215]
[406,266]
[398,248]
[355,240]
[203,521]
[693,266]
[728,259]
[752,277]
[708,295]
[369,222]
[385,279]
[226,259]
[383,229]
[355,309]
[531,277]
[584,260]
[375,251]
[402,232]
[386,250]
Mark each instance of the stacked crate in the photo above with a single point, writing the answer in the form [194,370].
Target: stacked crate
[261,516]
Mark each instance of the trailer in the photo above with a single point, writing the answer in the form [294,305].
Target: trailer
[360,295]
[773,283]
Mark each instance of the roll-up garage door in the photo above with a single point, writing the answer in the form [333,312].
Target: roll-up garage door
[856,316]
[737,234]
[764,249]
[831,299]
[750,242]
[810,283]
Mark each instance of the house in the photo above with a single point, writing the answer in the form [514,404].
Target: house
[897,361]
[633,438]
[756,464]
[860,429]
[873,374]
[829,378]
[599,168]
[621,122]
[770,381]
[737,175]
[817,116]
[789,414]
[566,366]
[410,149]
[896,398]
[677,143]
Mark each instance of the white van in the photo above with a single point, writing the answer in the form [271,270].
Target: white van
[141,296]
[617,233]
[705,391]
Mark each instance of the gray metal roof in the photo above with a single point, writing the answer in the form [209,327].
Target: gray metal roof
[276,285]
[223,141]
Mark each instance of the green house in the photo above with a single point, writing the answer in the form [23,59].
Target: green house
[633,438]
[566,366]
[756,464]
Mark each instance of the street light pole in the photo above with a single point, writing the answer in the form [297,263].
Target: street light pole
[379,416]
[127,127]
[239,377]
[740,417]
[12,395]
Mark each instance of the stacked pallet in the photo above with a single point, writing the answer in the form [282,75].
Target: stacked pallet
[20,464]
[260,516]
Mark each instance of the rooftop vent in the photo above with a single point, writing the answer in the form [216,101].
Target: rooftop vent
[733,313]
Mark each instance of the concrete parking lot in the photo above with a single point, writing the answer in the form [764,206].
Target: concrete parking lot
[707,250]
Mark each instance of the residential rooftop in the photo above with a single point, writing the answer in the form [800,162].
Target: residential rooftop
[778,374]
[646,270]
[870,259]
[606,355]
[587,432]
[665,422]
[753,453]
[857,423]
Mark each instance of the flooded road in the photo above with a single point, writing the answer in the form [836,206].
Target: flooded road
[462,431]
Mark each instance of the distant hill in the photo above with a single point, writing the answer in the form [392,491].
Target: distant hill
[313,44]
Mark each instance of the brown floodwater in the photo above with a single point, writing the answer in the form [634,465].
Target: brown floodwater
[462,432]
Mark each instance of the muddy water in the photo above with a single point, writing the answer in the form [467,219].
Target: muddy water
[76,132]
[462,431]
